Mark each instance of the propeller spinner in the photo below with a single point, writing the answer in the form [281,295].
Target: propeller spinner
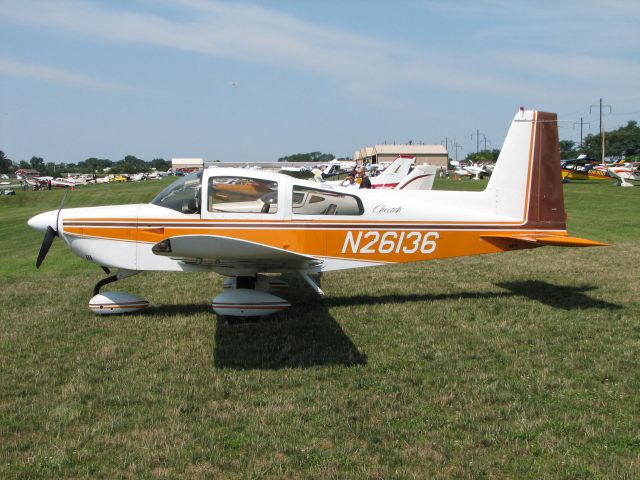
[48,223]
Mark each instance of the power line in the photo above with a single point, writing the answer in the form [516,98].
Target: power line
[477,134]
[456,146]
[581,123]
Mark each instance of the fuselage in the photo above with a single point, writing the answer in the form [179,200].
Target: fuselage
[341,227]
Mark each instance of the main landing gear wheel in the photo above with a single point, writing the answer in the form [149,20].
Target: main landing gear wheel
[241,299]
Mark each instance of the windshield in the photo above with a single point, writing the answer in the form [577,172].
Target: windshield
[183,195]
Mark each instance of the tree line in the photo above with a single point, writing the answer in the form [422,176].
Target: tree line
[318,157]
[623,142]
[129,164]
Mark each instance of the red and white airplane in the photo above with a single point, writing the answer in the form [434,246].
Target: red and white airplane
[282,225]
[394,173]
[623,172]
[399,175]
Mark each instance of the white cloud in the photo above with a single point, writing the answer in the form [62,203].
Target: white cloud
[252,33]
[577,67]
[12,68]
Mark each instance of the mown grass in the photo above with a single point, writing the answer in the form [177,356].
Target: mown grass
[522,365]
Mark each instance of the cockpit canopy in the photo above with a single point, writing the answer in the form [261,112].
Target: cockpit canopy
[183,195]
[245,194]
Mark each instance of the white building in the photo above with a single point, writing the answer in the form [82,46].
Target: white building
[187,164]
[431,154]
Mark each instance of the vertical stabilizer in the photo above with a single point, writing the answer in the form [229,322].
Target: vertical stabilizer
[526,182]
[546,200]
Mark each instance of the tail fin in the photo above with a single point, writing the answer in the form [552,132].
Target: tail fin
[421,178]
[394,172]
[531,146]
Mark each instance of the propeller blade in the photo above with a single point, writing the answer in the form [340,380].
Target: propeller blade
[60,209]
[49,235]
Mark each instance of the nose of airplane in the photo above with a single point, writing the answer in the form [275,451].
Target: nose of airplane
[42,221]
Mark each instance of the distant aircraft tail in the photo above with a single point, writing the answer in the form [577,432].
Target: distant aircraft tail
[421,178]
[394,173]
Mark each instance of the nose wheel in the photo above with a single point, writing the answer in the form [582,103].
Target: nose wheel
[111,303]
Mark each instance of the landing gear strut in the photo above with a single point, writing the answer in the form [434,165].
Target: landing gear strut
[113,278]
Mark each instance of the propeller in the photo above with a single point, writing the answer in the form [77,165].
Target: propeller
[49,235]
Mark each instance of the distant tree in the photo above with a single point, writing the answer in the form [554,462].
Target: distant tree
[24,164]
[6,165]
[567,149]
[37,163]
[130,164]
[94,165]
[619,142]
[51,169]
[308,157]
[483,156]
[625,141]
[160,164]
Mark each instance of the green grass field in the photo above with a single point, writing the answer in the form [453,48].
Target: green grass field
[520,365]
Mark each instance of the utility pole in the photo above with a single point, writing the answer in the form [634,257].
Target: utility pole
[477,134]
[581,124]
[445,142]
[456,146]
[601,127]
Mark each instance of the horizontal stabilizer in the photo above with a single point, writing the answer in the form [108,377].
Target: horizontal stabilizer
[542,240]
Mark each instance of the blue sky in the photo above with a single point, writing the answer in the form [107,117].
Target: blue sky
[253,81]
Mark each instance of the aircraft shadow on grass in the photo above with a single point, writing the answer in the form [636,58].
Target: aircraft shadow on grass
[302,337]
[558,296]
[307,335]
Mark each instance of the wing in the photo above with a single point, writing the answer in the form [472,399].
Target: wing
[228,252]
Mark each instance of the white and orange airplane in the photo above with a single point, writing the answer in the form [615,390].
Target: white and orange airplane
[290,225]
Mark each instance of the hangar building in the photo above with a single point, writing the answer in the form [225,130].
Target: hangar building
[186,165]
[431,154]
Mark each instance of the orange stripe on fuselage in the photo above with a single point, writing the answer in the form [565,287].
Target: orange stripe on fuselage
[387,245]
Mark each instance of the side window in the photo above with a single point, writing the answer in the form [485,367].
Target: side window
[242,195]
[310,201]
